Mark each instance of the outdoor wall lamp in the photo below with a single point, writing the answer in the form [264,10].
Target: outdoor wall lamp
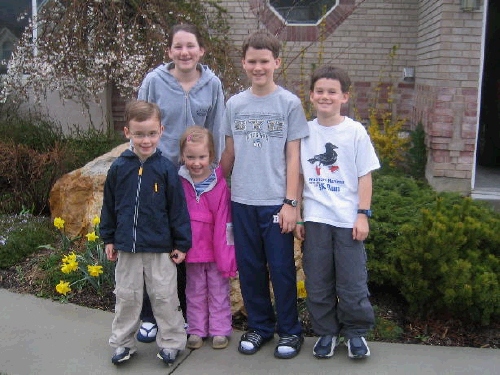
[469,5]
[408,74]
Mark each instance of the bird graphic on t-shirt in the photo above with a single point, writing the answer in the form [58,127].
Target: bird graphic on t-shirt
[328,158]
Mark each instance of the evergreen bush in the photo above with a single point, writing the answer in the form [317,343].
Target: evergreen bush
[449,262]
[416,158]
[397,200]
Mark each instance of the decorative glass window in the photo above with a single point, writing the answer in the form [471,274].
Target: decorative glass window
[302,11]
[302,20]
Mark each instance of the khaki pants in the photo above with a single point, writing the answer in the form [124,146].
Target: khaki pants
[159,273]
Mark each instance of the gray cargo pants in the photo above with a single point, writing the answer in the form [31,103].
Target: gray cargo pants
[336,281]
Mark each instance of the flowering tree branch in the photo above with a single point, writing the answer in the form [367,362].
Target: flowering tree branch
[85,45]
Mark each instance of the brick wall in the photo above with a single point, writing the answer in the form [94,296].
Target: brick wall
[437,39]
[446,94]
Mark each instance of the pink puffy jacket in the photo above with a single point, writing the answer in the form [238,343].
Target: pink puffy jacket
[211,224]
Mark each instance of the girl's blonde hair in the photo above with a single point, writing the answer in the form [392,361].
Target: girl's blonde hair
[197,134]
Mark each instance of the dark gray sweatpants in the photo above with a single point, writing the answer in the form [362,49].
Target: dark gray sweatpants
[336,281]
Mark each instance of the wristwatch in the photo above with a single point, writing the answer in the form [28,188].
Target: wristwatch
[291,202]
[368,213]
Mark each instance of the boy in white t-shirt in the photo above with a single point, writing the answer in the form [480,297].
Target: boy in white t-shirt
[336,164]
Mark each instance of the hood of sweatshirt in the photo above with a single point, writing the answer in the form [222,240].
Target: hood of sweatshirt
[184,173]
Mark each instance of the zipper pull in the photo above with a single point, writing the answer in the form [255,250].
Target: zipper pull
[140,170]
[156,187]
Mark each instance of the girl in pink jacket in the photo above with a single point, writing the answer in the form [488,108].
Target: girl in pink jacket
[211,260]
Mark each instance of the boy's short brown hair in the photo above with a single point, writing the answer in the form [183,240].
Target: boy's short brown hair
[140,110]
[332,72]
[262,39]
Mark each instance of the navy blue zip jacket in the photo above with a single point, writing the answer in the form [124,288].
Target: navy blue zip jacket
[144,208]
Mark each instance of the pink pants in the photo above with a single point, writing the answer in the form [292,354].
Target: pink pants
[208,303]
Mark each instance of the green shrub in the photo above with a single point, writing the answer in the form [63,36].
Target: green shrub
[39,135]
[84,146]
[416,158]
[28,176]
[20,237]
[35,154]
[449,262]
[397,200]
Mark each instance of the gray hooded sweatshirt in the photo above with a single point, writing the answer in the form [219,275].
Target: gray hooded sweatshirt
[203,105]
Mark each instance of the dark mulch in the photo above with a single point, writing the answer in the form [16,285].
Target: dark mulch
[26,277]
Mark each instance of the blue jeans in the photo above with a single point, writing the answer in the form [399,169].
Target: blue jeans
[263,253]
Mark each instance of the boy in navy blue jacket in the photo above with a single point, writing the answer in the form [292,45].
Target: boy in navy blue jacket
[145,225]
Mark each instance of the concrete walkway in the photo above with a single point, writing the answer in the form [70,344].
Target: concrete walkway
[39,336]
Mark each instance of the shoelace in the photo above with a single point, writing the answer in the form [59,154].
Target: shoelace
[254,338]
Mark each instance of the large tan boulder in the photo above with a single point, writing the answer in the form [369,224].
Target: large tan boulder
[77,198]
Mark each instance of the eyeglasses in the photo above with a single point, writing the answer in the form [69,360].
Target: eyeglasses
[152,135]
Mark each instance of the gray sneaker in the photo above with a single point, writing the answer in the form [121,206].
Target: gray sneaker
[122,354]
[168,356]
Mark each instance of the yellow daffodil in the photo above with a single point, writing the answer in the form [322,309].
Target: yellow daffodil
[95,270]
[63,287]
[59,223]
[70,258]
[301,289]
[96,220]
[69,267]
[91,237]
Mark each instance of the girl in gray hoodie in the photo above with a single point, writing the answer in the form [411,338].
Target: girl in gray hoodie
[188,93]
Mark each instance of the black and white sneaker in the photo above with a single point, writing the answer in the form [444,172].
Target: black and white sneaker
[122,354]
[251,342]
[325,346]
[357,347]
[168,356]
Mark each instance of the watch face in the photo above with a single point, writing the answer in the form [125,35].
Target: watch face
[291,202]
[368,213]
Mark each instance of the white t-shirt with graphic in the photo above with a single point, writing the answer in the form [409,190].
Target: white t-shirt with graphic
[332,159]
